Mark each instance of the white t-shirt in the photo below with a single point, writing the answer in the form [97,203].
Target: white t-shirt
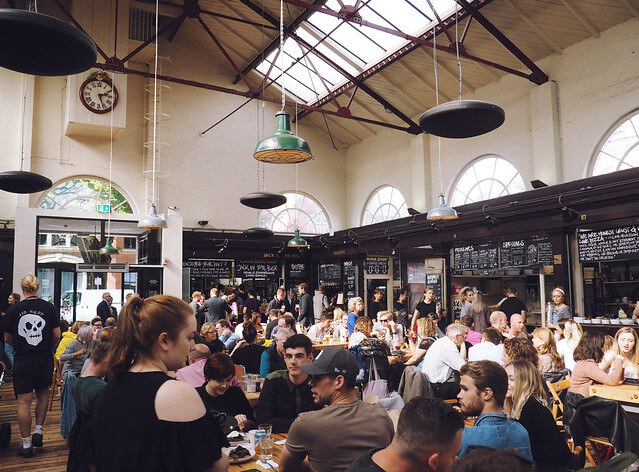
[487,351]
[441,359]
[565,352]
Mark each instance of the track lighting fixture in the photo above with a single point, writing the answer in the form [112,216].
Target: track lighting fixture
[538,183]
[353,237]
[280,251]
[413,212]
[568,214]
[491,222]
[392,241]
[223,249]
[324,243]
[436,229]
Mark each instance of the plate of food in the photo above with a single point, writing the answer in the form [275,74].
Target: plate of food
[240,453]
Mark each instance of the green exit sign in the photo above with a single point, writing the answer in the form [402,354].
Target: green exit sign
[104,208]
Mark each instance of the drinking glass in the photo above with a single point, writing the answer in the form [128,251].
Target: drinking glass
[266,427]
[266,447]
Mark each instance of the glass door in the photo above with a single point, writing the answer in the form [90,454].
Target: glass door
[58,285]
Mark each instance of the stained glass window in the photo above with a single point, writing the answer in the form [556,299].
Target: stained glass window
[620,151]
[487,177]
[386,203]
[85,194]
[299,212]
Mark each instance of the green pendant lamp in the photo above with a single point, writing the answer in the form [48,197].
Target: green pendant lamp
[297,240]
[282,147]
[109,248]
[442,211]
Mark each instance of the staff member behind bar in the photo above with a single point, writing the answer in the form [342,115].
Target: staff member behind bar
[425,307]
[558,310]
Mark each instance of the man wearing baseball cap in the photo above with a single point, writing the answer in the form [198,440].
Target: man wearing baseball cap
[332,438]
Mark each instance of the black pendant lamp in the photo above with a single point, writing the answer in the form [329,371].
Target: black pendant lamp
[20,181]
[38,44]
[462,119]
[263,200]
[258,233]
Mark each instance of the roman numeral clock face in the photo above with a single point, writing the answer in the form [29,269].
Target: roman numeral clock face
[98,95]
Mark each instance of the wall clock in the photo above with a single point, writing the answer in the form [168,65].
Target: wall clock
[98,94]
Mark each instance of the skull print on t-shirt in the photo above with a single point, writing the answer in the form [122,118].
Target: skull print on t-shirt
[30,328]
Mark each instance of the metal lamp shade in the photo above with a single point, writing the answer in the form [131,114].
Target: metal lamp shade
[258,233]
[108,248]
[297,241]
[152,221]
[442,211]
[38,44]
[283,147]
[462,119]
[20,181]
[263,200]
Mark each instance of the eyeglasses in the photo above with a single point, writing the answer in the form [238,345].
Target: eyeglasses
[383,321]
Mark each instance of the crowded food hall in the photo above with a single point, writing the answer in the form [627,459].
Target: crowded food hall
[230,228]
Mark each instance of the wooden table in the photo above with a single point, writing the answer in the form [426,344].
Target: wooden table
[620,393]
[320,346]
[252,464]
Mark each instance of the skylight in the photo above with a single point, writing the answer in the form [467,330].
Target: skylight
[352,47]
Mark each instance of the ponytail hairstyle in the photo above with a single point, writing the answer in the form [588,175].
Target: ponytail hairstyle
[141,322]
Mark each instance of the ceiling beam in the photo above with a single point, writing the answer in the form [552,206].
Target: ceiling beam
[581,17]
[450,73]
[421,79]
[534,26]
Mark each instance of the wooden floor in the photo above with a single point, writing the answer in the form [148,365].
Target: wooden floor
[50,458]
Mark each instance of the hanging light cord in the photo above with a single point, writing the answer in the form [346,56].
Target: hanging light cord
[111,156]
[282,52]
[457,50]
[439,139]
[22,119]
[155,98]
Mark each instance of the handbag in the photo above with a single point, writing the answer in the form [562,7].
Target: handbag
[376,386]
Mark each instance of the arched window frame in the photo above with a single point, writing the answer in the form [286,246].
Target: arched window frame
[397,211]
[102,196]
[633,118]
[471,165]
[287,207]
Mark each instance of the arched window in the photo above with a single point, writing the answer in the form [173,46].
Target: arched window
[386,203]
[487,177]
[299,211]
[620,150]
[85,194]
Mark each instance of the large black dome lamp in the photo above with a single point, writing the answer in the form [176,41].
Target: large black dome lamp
[263,200]
[462,119]
[258,233]
[20,181]
[38,44]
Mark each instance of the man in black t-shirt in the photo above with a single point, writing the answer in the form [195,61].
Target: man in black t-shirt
[428,438]
[251,304]
[512,304]
[32,327]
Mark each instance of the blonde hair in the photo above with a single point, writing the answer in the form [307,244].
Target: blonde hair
[426,328]
[364,325]
[352,302]
[548,346]
[75,327]
[462,294]
[390,314]
[527,384]
[205,328]
[572,333]
[30,284]
[634,353]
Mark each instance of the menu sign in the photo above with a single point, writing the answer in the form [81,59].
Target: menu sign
[209,269]
[377,265]
[330,273]
[513,253]
[609,244]
[256,269]
[350,278]
[397,270]
[434,281]
[474,257]
[296,270]
[539,252]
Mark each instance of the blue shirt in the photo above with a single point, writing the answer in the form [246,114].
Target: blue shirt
[350,323]
[230,340]
[496,431]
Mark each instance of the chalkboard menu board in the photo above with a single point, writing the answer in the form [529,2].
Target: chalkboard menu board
[350,280]
[434,281]
[477,256]
[397,270]
[526,252]
[377,265]
[609,244]
[209,269]
[539,251]
[513,253]
[257,269]
[296,271]
[330,274]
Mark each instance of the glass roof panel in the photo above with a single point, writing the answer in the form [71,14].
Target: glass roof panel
[351,46]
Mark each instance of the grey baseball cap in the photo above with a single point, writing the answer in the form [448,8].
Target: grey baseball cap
[333,360]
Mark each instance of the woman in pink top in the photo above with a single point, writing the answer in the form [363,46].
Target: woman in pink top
[587,355]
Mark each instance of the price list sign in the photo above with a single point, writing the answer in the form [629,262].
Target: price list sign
[377,265]
[209,269]
[330,274]
[609,244]
[296,270]
[350,279]
[257,269]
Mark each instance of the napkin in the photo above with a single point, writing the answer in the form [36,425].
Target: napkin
[266,466]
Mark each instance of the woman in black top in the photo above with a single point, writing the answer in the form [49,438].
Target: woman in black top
[402,310]
[220,396]
[144,420]
[376,304]
[209,333]
[426,307]
[525,403]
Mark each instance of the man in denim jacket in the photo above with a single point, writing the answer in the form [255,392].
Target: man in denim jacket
[483,389]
